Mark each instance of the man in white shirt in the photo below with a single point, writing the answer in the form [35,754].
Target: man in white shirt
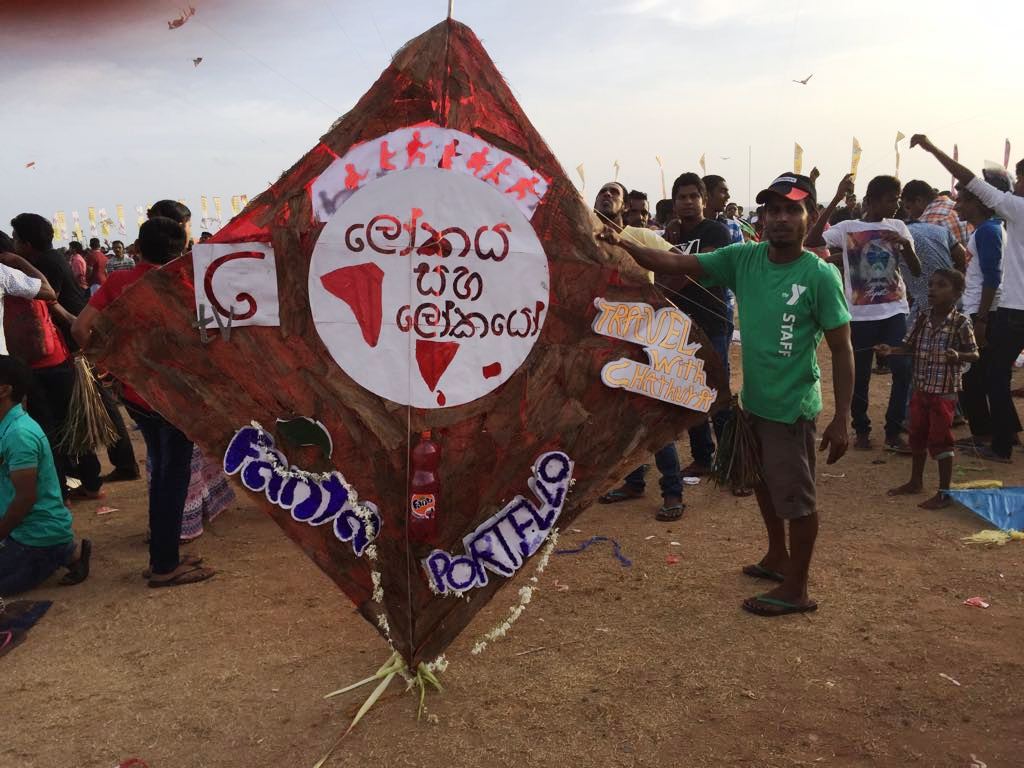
[872,249]
[20,279]
[1005,331]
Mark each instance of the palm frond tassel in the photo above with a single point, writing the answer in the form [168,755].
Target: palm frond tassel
[88,427]
[738,458]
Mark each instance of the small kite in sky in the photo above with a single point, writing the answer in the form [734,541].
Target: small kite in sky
[186,14]
[197,61]
[805,80]
[724,158]
[31,165]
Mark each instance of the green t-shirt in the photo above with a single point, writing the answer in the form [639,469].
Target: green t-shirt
[24,446]
[784,311]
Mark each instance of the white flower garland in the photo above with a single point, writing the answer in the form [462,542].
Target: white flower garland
[525,596]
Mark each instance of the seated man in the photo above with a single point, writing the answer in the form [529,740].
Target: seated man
[35,526]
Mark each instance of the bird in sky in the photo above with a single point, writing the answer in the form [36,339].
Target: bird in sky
[724,158]
[805,80]
[197,61]
[31,165]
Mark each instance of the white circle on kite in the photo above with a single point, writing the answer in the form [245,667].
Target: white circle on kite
[429,288]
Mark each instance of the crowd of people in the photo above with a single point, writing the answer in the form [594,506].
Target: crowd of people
[927,284]
[51,298]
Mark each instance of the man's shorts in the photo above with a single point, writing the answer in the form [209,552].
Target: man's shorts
[787,465]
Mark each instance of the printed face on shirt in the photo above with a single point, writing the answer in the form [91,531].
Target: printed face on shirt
[785,221]
[688,203]
[873,272]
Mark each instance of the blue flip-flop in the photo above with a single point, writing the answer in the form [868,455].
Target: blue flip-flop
[756,605]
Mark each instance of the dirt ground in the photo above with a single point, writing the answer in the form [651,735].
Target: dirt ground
[649,665]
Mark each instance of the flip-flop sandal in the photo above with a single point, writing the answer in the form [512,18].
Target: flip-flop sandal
[192,576]
[183,560]
[670,513]
[756,605]
[758,571]
[619,494]
[78,572]
[742,493]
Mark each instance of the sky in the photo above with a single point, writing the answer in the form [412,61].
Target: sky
[106,102]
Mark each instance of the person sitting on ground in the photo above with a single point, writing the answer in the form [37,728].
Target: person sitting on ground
[161,240]
[35,527]
[609,207]
[785,293]
[939,343]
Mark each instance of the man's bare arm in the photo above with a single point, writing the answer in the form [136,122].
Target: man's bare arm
[662,262]
[815,238]
[960,172]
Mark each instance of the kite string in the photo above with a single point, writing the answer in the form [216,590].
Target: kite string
[667,288]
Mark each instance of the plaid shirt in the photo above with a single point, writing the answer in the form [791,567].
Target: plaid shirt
[941,211]
[929,343]
[115,264]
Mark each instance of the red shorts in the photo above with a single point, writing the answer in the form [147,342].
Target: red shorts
[931,424]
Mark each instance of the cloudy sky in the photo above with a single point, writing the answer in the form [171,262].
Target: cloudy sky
[104,98]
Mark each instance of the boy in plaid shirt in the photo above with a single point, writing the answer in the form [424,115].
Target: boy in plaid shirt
[940,341]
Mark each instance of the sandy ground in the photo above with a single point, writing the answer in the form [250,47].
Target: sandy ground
[650,665]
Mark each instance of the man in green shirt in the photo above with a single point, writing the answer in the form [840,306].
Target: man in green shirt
[35,526]
[788,299]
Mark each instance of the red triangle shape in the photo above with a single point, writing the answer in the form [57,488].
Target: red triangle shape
[360,288]
[433,359]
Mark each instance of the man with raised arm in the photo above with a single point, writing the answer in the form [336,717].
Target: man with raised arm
[1003,328]
[788,299]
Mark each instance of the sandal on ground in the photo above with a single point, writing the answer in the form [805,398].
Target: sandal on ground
[78,571]
[670,512]
[763,605]
[742,493]
[191,560]
[620,494]
[190,576]
[758,571]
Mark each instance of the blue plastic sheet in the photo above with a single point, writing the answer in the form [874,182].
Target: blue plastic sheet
[1003,507]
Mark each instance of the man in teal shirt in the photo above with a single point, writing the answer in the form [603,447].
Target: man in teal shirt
[35,526]
[788,299]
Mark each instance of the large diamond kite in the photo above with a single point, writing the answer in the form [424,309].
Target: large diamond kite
[427,266]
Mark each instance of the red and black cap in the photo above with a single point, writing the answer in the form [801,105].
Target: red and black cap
[791,186]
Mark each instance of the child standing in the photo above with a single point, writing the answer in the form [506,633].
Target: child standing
[939,342]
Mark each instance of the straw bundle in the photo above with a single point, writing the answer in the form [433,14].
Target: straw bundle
[738,458]
[88,426]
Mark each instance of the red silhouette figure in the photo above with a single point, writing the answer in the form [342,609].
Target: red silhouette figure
[495,173]
[385,158]
[414,149]
[478,161]
[449,154]
[523,187]
[353,177]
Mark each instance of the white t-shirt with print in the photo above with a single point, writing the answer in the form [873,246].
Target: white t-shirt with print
[14,283]
[871,272]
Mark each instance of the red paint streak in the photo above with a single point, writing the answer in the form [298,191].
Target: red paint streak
[353,177]
[433,359]
[360,288]
[492,370]
[246,297]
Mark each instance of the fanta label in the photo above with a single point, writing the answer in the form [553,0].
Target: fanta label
[423,505]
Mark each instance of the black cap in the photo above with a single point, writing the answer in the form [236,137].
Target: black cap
[792,186]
